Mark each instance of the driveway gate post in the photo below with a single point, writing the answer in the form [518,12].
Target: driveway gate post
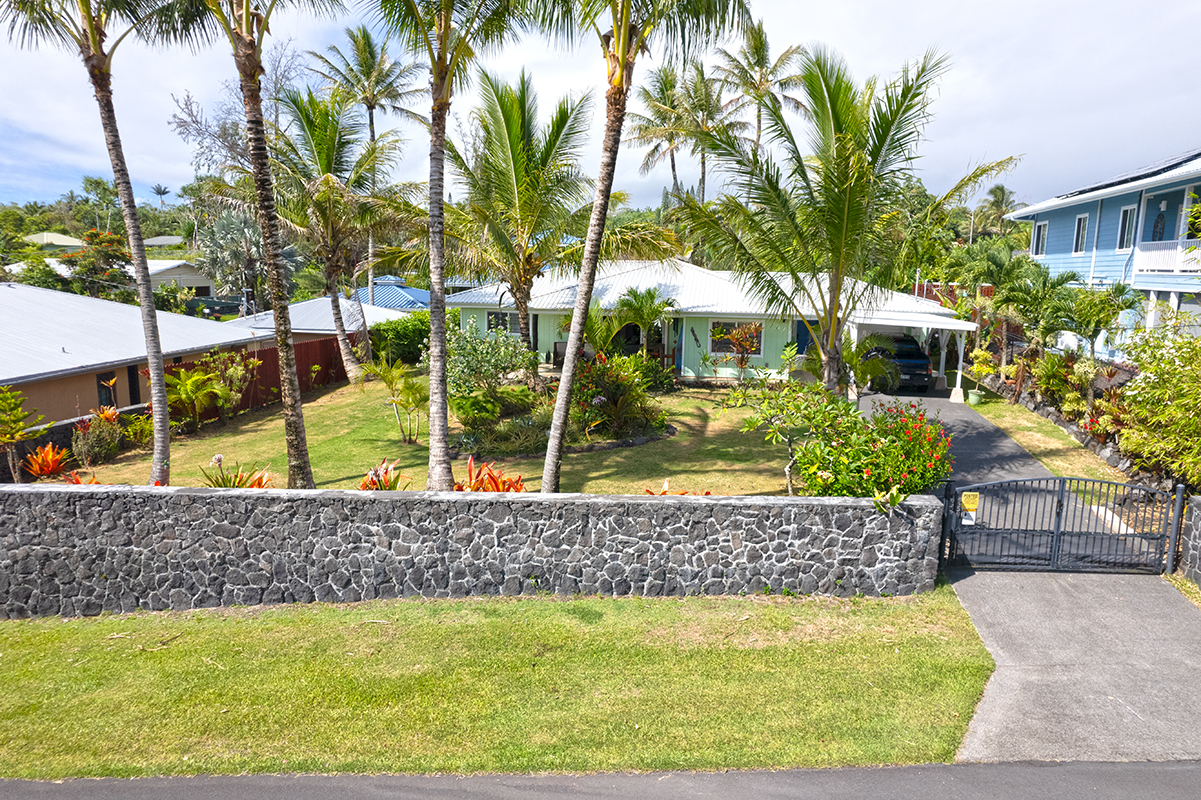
[1176,512]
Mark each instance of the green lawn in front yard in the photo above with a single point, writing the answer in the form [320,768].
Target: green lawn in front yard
[491,685]
[350,431]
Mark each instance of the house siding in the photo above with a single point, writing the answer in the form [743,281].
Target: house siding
[776,336]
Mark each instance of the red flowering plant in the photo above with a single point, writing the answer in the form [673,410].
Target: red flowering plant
[914,452]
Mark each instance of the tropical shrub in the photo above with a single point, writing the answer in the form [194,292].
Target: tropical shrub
[1161,428]
[234,370]
[96,439]
[191,392]
[486,478]
[47,460]
[173,298]
[236,478]
[743,340]
[834,450]
[15,426]
[406,393]
[384,478]
[482,361]
[401,340]
[654,376]
[515,400]
[138,429]
[475,410]
[609,398]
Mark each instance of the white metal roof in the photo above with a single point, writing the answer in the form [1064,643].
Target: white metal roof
[48,334]
[696,290]
[56,239]
[317,316]
[155,265]
[1179,168]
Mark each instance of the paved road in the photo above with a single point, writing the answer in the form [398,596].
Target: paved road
[943,781]
[1090,667]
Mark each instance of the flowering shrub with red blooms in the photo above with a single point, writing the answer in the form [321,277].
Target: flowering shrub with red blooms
[913,452]
[609,397]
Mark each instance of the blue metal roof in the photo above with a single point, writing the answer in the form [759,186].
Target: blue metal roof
[390,292]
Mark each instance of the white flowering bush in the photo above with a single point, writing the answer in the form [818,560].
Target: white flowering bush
[484,361]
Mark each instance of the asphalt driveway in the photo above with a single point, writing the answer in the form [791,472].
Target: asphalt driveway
[1090,667]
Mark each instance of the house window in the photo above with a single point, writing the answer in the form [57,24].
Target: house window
[1078,242]
[135,387]
[1126,228]
[106,388]
[1039,246]
[201,291]
[717,345]
[504,321]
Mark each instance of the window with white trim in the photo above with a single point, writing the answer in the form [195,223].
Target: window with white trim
[1038,246]
[722,345]
[1079,241]
[506,321]
[1126,227]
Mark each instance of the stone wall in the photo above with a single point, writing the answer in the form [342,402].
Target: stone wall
[1190,541]
[85,549]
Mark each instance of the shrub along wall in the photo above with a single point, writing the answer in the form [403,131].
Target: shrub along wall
[86,549]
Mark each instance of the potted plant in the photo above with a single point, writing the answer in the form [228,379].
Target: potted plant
[981,367]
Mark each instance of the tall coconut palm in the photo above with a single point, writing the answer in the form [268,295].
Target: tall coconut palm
[325,176]
[808,243]
[659,127]
[377,83]
[246,25]
[758,80]
[625,30]
[87,26]
[447,35]
[997,202]
[645,308]
[701,114]
[160,191]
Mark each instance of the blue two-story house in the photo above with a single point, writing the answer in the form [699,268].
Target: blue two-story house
[1132,228]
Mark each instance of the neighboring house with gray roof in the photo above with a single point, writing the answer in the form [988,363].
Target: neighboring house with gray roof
[182,273]
[59,348]
[314,319]
[705,300]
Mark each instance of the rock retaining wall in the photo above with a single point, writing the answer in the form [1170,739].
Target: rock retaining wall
[80,550]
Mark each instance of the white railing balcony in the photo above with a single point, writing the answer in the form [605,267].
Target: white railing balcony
[1171,256]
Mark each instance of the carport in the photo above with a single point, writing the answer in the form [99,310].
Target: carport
[920,322]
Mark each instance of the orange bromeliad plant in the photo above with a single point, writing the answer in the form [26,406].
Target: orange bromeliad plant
[73,478]
[47,460]
[385,477]
[486,478]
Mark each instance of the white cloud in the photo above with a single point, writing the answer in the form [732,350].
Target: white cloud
[1083,90]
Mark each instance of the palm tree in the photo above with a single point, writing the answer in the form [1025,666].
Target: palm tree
[862,362]
[377,83]
[807,243]
[757,79]
[448,35]
[232,255]
[992,263]
[625,31]
[660,126]
[998,202]
[246,26]
[702,113]
[324,183]
[84,26]
[161,191]
[1096,312]
[644,308]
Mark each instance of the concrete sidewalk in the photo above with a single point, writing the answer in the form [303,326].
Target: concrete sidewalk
[1090,667]
[943,781]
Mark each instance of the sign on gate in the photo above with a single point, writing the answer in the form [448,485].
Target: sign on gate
[969,502]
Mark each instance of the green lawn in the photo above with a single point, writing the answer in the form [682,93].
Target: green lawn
[350,430]
[491,685]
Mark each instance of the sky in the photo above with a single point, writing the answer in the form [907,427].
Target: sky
[1079,90]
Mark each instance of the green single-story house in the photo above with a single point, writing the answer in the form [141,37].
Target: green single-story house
[705,300]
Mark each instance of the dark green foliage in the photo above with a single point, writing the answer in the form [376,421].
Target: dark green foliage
[609,398]
[515,400]
[96,440]
[476,410]
[654,376]
[402,339]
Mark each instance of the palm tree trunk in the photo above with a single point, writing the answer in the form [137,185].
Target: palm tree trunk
[371,236]
[700,189]
[160,465]
[441,479]
[1004,342]
[521,299]
[615,114]
[250,67]
[354,372]
[675,179]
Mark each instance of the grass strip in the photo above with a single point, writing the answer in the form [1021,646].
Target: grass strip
[491,685]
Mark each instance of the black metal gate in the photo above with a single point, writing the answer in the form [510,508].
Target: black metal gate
[1070,524]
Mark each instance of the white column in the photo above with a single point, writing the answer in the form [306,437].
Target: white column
[957,392]
[1174,301]
[942,360]
[1152,299]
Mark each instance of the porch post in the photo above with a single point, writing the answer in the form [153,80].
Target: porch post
[957,392]
[942,360]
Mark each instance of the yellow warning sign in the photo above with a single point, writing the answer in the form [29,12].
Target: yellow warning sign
[970,501]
